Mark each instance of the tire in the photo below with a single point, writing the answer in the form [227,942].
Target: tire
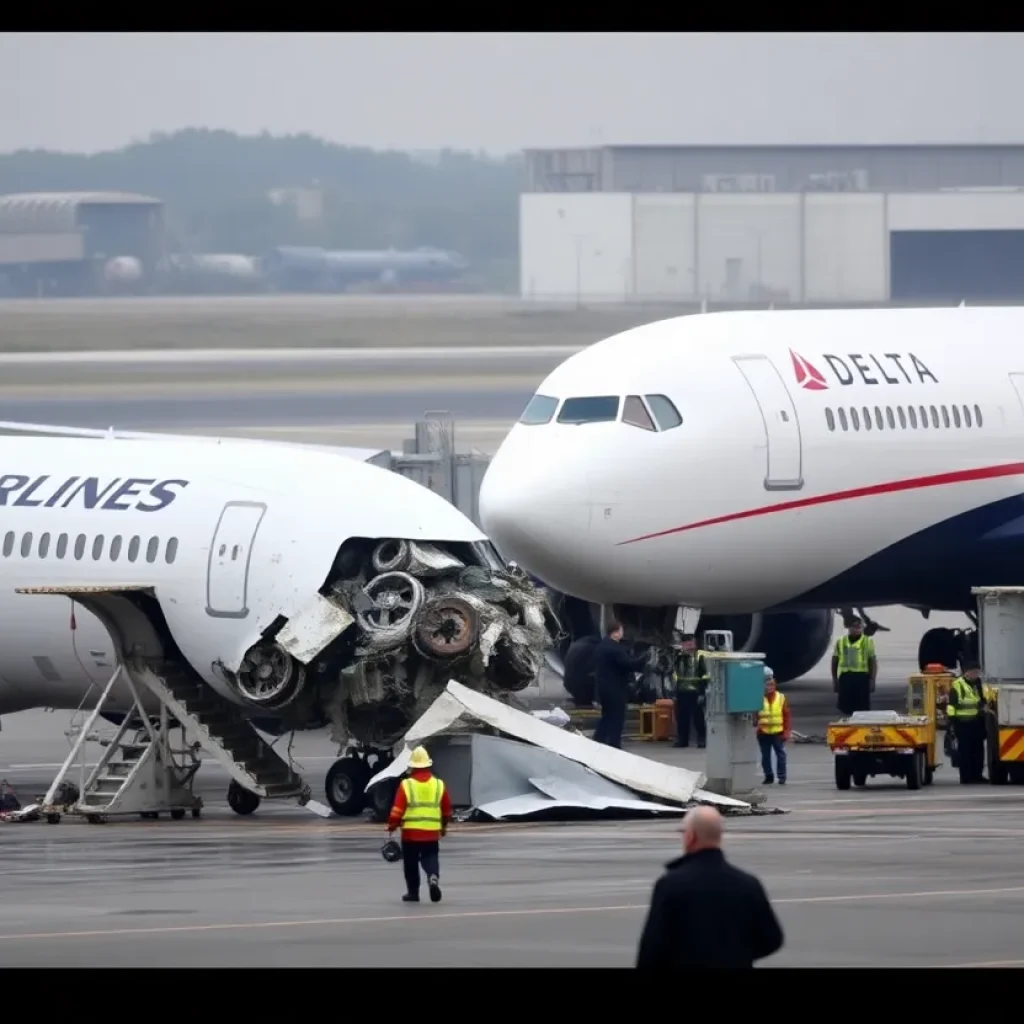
[381,798]
[241,800]
[177,814]
[860,778]
[842,773]
[345,786]
[915,769]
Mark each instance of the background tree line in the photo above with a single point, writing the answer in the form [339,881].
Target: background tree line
[216,183]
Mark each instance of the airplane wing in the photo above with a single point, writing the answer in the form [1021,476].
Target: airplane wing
[377,456]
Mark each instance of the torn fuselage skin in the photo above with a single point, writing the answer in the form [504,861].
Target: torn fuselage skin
[394,621]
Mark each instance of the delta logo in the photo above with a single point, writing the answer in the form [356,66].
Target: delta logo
[858,368]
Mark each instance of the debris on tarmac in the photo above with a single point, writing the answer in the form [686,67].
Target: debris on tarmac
[513,764]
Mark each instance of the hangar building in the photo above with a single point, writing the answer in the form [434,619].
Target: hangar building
[785,224]
[69,243]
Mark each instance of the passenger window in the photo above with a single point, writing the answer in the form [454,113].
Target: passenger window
[26,545]
[924,417]
[62,545]
[889,416]
[956,415]
[44,545]
[97,548]
[538,410]
[133,549]
[912,416]
[152,549]
[234,553]
[842,419]
[879,421]
[945,416]
[635,413]
[80,546]
[855,419]
[600,409]
[830,419]
[967,416]
[665,412]
[115,548]
[935,417]
[172,550]
[8,543]
[977,415]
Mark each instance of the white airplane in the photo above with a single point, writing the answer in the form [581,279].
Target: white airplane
[768,468]
[227,580]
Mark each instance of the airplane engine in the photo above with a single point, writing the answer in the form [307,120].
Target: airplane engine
[394,622]
[792,642]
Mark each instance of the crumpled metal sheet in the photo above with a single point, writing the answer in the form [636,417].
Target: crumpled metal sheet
[665,783]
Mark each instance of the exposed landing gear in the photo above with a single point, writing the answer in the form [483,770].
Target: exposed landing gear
[871,627]
[947,647]
[345,784]
[241,800]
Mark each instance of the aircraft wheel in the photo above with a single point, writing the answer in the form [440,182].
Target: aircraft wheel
[382,796]
[345,785]
[177,814]
[196,812]
[241,800]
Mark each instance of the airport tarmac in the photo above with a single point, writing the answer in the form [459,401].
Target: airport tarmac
[880,877]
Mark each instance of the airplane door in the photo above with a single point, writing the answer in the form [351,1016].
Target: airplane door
[784,471]
[227,574]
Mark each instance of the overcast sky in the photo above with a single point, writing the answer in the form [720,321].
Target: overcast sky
[88,92]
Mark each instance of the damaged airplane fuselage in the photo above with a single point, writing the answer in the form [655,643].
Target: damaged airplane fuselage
[309,587]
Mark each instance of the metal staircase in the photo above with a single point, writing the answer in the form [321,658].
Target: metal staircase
[140,771]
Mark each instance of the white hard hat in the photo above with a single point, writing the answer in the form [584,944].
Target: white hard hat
[768,673]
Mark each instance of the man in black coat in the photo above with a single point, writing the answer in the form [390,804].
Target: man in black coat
[613,669]
[705,912]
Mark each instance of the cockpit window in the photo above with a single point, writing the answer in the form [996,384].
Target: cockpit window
[635,413]
[602,409]
[664,411]
[539,410]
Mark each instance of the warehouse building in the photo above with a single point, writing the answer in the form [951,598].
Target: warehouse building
[78,243]
[807,224]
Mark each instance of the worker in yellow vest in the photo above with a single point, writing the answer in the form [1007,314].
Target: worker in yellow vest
[774,726]
[690,676]
[965,714]
[423,809]
[854,668]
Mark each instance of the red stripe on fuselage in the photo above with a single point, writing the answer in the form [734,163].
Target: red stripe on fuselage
[892,487]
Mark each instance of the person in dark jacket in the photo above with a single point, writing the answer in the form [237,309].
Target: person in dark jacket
[578,674]
[613,668]
[704,912]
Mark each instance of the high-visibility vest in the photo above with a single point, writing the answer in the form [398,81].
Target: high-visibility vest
[692,681]
[769,718]
[967,700]
[423,804]
[854,655]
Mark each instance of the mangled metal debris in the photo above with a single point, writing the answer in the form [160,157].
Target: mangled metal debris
[396,620]
[550,769]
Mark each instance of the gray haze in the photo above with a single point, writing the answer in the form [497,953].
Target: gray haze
[88,92]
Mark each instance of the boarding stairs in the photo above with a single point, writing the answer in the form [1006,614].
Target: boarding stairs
[141,773]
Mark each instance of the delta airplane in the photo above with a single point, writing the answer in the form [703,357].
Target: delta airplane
[236,569]
[768,468]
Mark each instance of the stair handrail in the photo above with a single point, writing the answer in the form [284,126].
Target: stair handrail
[80,741]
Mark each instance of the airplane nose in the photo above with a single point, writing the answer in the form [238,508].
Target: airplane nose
[535,509]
